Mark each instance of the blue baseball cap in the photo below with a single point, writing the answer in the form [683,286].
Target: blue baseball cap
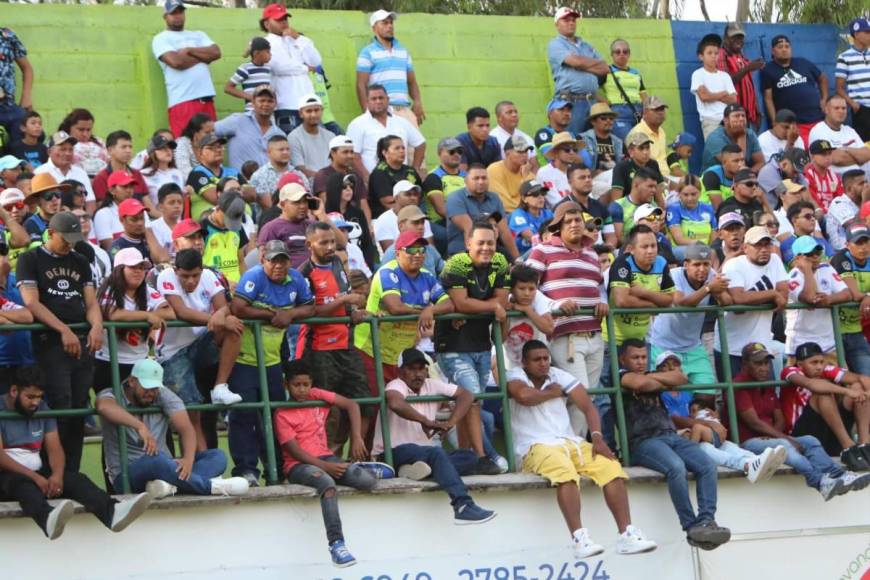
[805,245]
[860,24]
[558,104]
[10,162]
[171,6]
[684,139]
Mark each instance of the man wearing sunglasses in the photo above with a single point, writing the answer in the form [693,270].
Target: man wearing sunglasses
[802,216]
[747,199]
[12,211]
[60,166]
[46,191]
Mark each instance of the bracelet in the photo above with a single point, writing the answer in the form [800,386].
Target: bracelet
[594,433]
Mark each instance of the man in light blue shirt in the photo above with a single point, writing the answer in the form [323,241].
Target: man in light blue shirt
[472,203]
[575,66]
[248,133]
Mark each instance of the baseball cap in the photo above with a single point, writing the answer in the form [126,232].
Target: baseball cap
[565,12]
[646,210]
[558,104]
[379,15]
[185,228]
[11,195]
[120,178]
[744,175]
[734,29]
[148,372]
[785,116]
[449,143]
[408,238]
[683,139]
[665,356]
[233,206]
[10,162]
[292,192]
[171,6]
[779,38]
[309,100]
[755,351]
[404,186]
[130,206]
[159,142]
[130,257]
[411,356]
[289,177]
[854,232]
[275,12]
[528,187]
[260,89]
[275,248]
[820,146]
[210,139]
[805,245]
[698,251]
[517,143]
[798,157]
[654,103]
[68,225]
[860,24]
[340,141]
[492,215]
[592,220]
[638,139]
[561,210]
[260,43]
[807,350]
[732,108]
[59,138]
[731,217]
[410,212]
[756,234]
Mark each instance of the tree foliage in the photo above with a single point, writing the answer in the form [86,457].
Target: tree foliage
[838,12]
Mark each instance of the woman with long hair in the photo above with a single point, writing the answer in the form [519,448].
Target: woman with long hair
[339,199]
[89,152]
[690,220]
[159,169]
[125,297]
[526,220]
[185,159]
[390,170]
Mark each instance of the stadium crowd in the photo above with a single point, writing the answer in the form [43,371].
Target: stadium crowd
[277,214]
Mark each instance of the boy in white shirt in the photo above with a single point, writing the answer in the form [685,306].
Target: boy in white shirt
[713,89]
[537,323]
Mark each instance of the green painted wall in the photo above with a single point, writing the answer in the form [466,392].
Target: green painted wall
[99,57]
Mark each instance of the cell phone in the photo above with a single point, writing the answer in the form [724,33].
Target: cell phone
[313,203]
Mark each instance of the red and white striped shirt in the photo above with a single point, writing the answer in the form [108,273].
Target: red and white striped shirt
[569,275]
[824,186]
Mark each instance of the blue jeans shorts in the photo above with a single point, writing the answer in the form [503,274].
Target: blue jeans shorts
[468,370]
[179,372]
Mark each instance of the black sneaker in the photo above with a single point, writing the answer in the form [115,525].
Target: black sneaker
[709,533]
[854,460]
[486,466]
[702,545]
[865,449]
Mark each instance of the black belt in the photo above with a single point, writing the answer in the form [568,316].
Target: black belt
[575,97]
[205,99]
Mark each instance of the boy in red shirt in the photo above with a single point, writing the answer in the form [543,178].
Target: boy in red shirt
[824,184]
[308,459]
[827,401]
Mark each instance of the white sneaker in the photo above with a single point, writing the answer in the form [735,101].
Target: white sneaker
[222,395]
[58,517]
[502,464]
[763,466]
[158,489]
[584,547]
[830,487]
[416,471]
[229,486]
[781,454]
[854,481]
[632,541]
[128,510]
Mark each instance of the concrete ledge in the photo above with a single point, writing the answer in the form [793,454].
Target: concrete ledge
[399,485]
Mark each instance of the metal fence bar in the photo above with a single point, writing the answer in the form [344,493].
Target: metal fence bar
[505,397]
[616,396]
[266,408]
[838,335]
[119,398]
[379,379]
[725,358]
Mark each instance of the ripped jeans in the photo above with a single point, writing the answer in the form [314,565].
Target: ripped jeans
[470,371]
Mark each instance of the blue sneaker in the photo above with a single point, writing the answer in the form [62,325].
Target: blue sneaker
[378,469]
[341,556]
[471,513]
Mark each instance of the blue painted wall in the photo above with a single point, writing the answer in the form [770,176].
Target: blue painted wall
[815,42]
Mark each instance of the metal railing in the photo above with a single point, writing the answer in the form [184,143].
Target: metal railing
[266,406]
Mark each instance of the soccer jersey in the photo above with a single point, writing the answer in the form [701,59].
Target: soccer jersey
[328,283]
[132,342]
[696,223]
[306,426]
[625,273]
[849,268]
[222,248]
[714,181]
[200,300]
[795,399]
[813,324]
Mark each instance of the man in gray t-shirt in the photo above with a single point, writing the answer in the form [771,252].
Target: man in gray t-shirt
[309,142]
[150,466]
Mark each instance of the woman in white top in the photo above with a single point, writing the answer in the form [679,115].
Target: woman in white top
[185,158]
[159,169]
[125,297]
[107,223]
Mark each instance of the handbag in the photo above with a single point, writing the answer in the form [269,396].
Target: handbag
[638,116]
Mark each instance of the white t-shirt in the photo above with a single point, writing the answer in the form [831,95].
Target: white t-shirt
[771,144]
[356,260]
[811,325]
[365,131]
[102,264]
[387,227]
[107,224]
[522,330]
[200,300]
[290,61]
[846,137]
[785,226]
[556,182]
[163,235]
[159,178]
[547,423]
[188,84]
[714,82]
[745,327]
[132,344]
[502,136]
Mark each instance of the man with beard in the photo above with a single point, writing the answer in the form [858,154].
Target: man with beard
[733,130]
[248,133]
[734,62]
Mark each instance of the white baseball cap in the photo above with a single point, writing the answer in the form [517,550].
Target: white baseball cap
[565,11]
[309,100]
[130,257]
[340,141]
[404,186]
[382,15]
[646,210]
[11,195]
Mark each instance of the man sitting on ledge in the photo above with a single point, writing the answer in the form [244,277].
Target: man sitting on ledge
[26,479]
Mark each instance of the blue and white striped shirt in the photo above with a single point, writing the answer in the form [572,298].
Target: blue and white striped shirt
[854,66]
[250,76]
[388,67]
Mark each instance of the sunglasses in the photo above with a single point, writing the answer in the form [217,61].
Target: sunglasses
[16,205]
[621,51]
[454,151]
[415,250]
[807,216]
[50,195]
[750,183]
[770,225]
[568,149]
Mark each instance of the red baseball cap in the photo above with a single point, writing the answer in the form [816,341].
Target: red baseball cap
[290,177]
[408,238]
[275,12]
[130,206]
[185,228]
[865,210]
[121,178]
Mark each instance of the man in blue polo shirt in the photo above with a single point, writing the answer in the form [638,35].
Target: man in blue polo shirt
[576,67]
[274,293]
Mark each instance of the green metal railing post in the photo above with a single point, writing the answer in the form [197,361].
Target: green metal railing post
[838,335]
[266,407]
[505,396]
[725,358]
[118,391]
[379,379]
[616,390]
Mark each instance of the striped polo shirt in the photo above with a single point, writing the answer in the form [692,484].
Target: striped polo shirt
[853,65]
[250,76]
[388,67]
[566,274]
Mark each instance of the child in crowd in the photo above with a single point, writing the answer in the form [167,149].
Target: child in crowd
[537,322]
[89,152]
[681,150]
[251,75]
[308,460]
[31,147]
[713,89]
[688,219]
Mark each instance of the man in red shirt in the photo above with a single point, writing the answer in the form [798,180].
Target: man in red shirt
[732,61]
[824,184]
[762,424]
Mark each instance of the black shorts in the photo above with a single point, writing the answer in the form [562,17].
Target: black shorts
[811,423]
[342,372]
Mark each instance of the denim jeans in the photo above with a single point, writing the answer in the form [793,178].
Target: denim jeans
[312,476]
[813,462]
[246,435]
[447,468]
[857,353]
[673,456]
[727,454]
[579,113]
[287,119]
[625,120]
[206,465]
[468,370]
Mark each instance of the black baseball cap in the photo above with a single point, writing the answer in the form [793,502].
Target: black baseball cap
[68,225]
[820,146]
[807,350]
[779,38]
[857,231]
[411,356]
[798,157]
[785,116]
[745,175]
[732,108]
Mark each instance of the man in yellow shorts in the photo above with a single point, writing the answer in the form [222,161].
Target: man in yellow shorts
[548,447]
